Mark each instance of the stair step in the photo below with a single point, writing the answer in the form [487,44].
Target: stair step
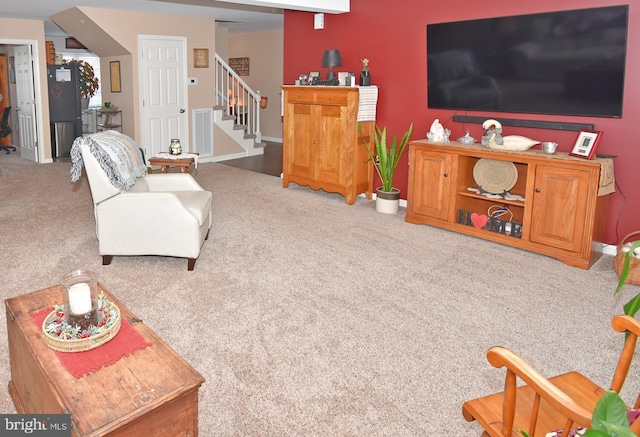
[239,127]
[219,108]
[259,145]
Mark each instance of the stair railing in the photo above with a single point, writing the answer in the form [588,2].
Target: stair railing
[236,99]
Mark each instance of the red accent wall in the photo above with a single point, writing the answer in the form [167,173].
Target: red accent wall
[392,34]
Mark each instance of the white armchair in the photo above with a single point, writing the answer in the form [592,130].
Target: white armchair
[158,214]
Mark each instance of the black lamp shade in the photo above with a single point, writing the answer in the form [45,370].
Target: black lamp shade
[331,58]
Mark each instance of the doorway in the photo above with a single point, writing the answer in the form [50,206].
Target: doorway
[35,128]
[5,70]
[163,73]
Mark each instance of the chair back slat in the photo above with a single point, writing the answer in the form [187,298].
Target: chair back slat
[509,407]
[624,323]
[533,421]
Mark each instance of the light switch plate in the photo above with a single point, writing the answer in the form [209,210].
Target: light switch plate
[318,21]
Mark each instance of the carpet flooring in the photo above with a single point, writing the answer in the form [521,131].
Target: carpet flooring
[310,317]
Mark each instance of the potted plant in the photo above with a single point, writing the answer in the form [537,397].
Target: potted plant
[88,81]
[385,159]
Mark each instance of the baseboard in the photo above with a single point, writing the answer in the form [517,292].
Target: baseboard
[223,157]
[272,139]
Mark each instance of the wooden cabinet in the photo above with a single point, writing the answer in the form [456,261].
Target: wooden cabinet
[431,169]
[559,207]
[553,207]
[322,147]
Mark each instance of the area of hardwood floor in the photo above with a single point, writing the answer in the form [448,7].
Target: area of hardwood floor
[268,163]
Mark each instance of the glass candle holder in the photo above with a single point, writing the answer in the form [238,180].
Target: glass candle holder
[175,148]
[80,297]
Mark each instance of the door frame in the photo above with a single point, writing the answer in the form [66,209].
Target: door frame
[39,95]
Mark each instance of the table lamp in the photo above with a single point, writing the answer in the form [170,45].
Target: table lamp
[331,59]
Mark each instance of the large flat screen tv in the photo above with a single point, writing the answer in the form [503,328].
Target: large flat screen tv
[563,63]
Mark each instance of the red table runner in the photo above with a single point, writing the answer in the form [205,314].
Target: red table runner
[126,342]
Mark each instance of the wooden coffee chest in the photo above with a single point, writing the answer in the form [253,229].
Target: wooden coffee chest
[152,392]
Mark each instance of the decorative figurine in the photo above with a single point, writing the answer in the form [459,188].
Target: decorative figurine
[493,139]
[467,139]
[365,78]
[438,134]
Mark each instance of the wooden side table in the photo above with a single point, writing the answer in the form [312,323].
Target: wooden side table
[152,392]
[164,163]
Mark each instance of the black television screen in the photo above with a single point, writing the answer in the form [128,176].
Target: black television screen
[564,63]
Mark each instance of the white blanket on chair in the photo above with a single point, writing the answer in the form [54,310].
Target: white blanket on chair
[118,155]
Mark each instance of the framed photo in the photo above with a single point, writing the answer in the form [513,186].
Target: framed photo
[313,77]
[116,84]
[200,58]
[586,144]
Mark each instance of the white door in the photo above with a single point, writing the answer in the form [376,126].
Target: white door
[163,71]
[26,103]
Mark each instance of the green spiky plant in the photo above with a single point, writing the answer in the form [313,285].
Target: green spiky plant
[385,159]
[631,307]
[609,418]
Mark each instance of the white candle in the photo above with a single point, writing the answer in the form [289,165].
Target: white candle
[80,298]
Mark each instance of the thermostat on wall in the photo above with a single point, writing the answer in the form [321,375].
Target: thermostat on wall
[318,21]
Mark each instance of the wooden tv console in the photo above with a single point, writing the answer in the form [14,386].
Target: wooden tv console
[561,216]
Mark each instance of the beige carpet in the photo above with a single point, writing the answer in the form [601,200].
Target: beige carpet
[309,317]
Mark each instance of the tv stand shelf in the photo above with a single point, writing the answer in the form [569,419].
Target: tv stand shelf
[501,201]
[561,216]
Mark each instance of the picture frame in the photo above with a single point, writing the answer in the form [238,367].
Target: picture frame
[240,66]
[200,58]
[313,77]
[586,144]
[342,78]
[116,82]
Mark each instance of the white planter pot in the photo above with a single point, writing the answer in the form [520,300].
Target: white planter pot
[387,202]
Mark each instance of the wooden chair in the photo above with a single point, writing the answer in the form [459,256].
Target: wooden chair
[545,405]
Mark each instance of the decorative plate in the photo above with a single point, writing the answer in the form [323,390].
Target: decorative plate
[495,176]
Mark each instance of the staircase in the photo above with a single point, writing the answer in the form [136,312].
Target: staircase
[237,109]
